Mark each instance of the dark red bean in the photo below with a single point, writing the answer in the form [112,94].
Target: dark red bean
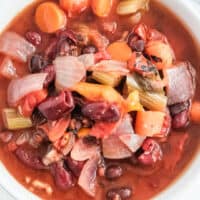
[50,70]
[74,166]
[63,178]
[37,63]
[180,120]
[34,38]
[6,136]
[113,172]
[151,152]
[121,193]
[135,43]
[89,49]
[101,111]
[54,108]
[30,157]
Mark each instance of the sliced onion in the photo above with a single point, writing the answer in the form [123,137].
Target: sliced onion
[19,88]
[16,46]
[113,148]
[69,71]
[87,59]
[110,66]
[82,151]
[87,179]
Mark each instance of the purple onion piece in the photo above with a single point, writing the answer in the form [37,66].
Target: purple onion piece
[55,107]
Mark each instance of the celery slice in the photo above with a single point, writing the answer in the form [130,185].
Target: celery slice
[107,78]
[151,100]
[13,120]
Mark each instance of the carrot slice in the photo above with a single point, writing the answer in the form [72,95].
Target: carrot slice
[50,18]
[195,112]
[119,51]
[149,123]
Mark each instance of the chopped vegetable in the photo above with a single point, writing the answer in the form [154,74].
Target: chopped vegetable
[55,129]
[95,92]
[7,69]
[107,78]
[110,66]
[20,87]
[161,51]
[83,132]
[119,51]
[127,7]
[102,8]
[195,112]
[133,102]
[16,46]
[49,17]
[87,178]
[30,101]
[74,7]
[150,100]
[149,123]
[69,71]
[87,59]
[13,120]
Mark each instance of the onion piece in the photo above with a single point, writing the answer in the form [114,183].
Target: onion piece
[16,46]
[69,71]
[82,151]
[19,88]
[110,66]
[87,179]
[87,59]
[7,69]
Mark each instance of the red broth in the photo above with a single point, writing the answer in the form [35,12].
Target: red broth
[145,181]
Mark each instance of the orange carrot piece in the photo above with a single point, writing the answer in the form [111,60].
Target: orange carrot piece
[119,51]
[56,129]
[149,123]
[195,112]
[50,18]
[28,103]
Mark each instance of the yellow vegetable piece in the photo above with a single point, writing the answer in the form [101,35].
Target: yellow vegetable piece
[83,132]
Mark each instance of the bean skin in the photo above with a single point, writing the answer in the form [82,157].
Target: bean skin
[121,193]
[113,172]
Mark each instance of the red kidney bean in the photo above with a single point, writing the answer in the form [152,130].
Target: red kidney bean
[180,120]
[34,38]
[101,111]
[89,49]
[121,193]
[74,166]
[136,43]
[6,136]
[63,178]
[151,152]
[51,75]
[37,63]
[113,172]
[30,157]
[54,108]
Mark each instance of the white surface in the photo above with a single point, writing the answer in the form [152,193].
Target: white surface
[188,186]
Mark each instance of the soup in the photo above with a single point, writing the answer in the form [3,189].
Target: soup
[69,139]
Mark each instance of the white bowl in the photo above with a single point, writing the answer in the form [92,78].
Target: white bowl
[187,186]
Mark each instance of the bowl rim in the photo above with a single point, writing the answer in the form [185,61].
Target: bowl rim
[190,17]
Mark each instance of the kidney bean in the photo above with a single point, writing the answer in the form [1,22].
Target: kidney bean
[74,166]
[34,38]
[113,172]
[151,152]
[178,108]
[51,75]
[37,63]
[63,178]
[136,43]
[30,157]
[121,193]
[101,111]
[180,120]
[54,108]
[89,49]
[6,136]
